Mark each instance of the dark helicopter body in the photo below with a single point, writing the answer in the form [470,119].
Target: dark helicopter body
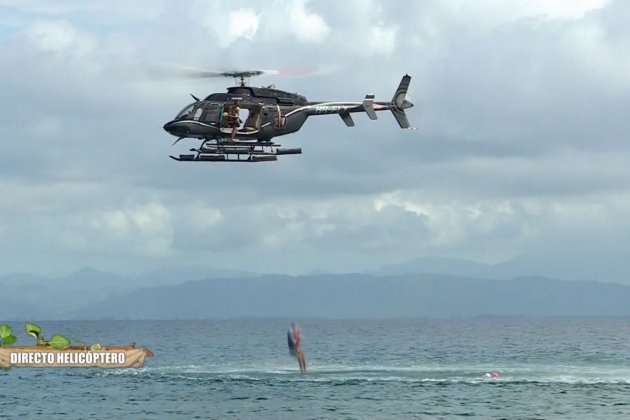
[272,113]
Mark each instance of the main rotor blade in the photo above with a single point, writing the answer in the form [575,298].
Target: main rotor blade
[187,72]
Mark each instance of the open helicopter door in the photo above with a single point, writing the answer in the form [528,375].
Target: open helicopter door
[252,122]
[279,121]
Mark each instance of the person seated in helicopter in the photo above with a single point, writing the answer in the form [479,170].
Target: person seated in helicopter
[234,119]
[225,120]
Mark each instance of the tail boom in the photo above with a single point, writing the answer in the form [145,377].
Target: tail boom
[397,106]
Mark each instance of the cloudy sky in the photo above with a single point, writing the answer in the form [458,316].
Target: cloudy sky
[521,148]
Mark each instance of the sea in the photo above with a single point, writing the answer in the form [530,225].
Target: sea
[548,368]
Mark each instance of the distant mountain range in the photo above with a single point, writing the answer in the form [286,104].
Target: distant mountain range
[426,287]
[606,267]
[448,267]
[25,296]
[364,296]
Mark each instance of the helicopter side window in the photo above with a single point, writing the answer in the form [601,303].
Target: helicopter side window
[197,115]
[213,114]
[184,112]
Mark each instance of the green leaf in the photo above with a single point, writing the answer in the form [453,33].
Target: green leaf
[96,347]
[5,331]
[7,341]
[59,341]
[33,330]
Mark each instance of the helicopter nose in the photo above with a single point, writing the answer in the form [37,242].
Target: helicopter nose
[174,129]
[168,127]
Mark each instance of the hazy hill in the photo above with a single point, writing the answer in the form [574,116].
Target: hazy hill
[31,296]
[363,296]
[188,273]
[461,288]
[55,296]
[607,266]
[445,266]
[17,310]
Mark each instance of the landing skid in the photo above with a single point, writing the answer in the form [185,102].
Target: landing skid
[236,151]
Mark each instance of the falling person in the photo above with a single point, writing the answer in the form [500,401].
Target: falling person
[294,336]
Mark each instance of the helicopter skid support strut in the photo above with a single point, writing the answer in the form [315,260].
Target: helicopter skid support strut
[237,151]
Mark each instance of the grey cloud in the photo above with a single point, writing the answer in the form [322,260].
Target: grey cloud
[513,111]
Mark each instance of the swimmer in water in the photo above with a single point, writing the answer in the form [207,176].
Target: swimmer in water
[294,337]
[494,375]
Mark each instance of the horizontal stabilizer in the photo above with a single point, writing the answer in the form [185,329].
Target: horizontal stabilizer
[401,117]
[368,106]
[347,118]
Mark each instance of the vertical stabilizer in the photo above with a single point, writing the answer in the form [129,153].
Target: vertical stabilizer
[400,103]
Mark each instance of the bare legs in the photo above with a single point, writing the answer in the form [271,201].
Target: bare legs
[301,360]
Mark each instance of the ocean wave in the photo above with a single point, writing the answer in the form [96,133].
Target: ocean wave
[377,373]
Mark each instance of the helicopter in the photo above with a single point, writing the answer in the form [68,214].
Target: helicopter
[270,113]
